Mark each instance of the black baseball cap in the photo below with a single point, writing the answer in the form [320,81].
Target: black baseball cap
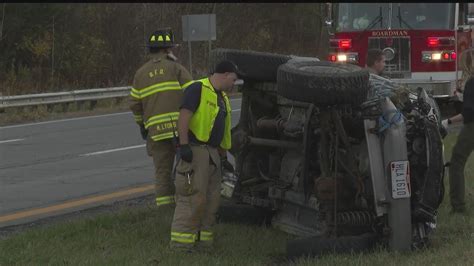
[228,66]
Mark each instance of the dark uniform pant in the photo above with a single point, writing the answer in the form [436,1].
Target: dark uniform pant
[163,153]
[197,198]
[461,151]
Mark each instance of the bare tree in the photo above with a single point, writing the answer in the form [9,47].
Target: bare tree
[52,58]
[3,19]
[145,34]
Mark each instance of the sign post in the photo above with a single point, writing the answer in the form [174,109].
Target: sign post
[198,28]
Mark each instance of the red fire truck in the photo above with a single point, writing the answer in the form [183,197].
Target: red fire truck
[421,41]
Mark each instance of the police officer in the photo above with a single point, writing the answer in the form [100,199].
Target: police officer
[462,149]
[155,98]
[204,127]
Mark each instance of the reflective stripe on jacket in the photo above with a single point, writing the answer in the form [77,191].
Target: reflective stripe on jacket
[157,94]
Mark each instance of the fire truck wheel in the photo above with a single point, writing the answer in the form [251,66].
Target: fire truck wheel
[231,212]
[256,66]
[317,246]
[323,83]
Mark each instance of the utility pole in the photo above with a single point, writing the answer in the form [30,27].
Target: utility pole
[144,31]
[161,13]
[213,11]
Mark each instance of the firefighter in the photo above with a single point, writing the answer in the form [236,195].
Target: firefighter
[462,149]
[204,128]
[375,61]
[155,98]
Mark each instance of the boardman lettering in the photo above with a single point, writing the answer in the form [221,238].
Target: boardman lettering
[389,33]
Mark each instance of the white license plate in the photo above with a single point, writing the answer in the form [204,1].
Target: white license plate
[400,179]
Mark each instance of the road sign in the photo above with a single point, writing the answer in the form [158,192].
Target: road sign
[198,28]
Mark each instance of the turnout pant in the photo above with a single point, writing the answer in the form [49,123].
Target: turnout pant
[163,153]
[197,197]
[461,151]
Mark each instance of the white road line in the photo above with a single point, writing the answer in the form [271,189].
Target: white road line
[113,150]
[126,148]
[10,140]
[64,120]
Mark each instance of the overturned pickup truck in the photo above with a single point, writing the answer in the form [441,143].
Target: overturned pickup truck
[340,158]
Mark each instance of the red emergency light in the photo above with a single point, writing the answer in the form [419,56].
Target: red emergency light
[446,56]
[433,42]
[440,41]
[453,55]
[340,43]
[345,43]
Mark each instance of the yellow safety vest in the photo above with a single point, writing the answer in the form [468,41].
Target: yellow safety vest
[203,119]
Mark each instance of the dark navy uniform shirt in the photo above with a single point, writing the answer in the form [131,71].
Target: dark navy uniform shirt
[468,102]
[191,100]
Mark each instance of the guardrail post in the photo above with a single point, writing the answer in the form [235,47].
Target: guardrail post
[93,104]
[49,107]
[80,105]
[118,100]
[28,109]
[65,107]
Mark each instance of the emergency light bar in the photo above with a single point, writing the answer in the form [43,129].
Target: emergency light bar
[434,56]
[439,41]
[340,43]
[344,57]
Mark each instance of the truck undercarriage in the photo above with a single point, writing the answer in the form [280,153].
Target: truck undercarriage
[325,162]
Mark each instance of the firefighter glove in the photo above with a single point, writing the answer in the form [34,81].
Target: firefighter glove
[226,165]
[186,153]
[143,131]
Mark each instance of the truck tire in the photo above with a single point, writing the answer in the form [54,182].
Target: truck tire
[317,246]
[323,83]
[257,66]
[231,212]
[265,86]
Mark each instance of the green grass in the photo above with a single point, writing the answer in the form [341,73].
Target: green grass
[139,236]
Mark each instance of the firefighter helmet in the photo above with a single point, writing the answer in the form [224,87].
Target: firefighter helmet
[162,38]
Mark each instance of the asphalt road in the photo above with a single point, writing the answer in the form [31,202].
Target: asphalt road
[42,164]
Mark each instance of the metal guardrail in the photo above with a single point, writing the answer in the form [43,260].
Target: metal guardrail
[63,97]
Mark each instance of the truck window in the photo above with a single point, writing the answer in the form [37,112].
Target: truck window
[424,16]
[359,16]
